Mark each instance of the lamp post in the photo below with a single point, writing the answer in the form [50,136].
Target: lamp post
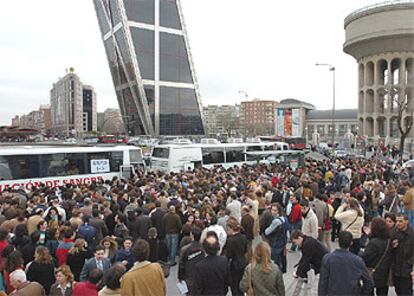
[332,69]
[245,94]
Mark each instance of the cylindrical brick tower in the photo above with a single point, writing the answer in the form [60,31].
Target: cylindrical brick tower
[381,38]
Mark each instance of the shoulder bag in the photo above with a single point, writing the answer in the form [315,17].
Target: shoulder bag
[371,270]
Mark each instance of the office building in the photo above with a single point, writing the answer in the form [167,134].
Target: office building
[258,117]
[222,120]
[151,66]
[73,106]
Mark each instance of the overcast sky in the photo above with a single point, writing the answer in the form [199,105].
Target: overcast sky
[267,48]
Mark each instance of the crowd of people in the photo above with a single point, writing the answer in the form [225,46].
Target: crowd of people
[226,229]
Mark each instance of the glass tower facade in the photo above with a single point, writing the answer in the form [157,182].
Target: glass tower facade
[151,66]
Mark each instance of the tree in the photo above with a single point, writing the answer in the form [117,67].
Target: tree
[229,121]
[404,123]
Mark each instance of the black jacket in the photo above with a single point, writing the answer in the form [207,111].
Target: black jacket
[140,227]
[156,219]
[190,255]
[211,276]
[403,253]
[372,255]
[158,250]
[312,254]
[44,274]
[236,249]
[76,262]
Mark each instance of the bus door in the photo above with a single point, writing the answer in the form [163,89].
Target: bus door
[127,171]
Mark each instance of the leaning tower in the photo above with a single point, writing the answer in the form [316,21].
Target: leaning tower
[381,39]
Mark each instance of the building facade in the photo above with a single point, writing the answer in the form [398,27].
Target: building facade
[90,117]
[291,116]
[222,120]
[380,38]
[73,107]
[39,120]
[320,122]
[258,117]
[151,66]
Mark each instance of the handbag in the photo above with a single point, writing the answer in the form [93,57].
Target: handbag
[371,270]
[165,266]
[250,291]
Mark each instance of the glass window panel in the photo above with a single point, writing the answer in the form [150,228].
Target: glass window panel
[174,65]
[5,170]
[144,49]
[120,39]
[115,17]
[169,14]
[234,154]
[103,23]
[161,152]
[53,164]
[141,11]
[179,113]
[22,166]
[212,155]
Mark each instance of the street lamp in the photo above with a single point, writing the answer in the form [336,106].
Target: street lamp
[245,94]
[332,69]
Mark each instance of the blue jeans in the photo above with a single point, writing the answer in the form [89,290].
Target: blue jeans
[295,226]
[172,242]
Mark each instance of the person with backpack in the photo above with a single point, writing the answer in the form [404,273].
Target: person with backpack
[276,236]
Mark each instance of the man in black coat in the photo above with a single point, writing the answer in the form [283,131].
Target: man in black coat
[211,275]
[403,247]
[141,225]
[190,255]
[156,218]
[312,253]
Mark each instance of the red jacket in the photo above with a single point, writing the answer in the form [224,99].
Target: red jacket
[85,289]
[295,213]
[62,251]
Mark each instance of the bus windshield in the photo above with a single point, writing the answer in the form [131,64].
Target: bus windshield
[160,152]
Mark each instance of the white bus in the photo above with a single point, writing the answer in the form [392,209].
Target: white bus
[174,158]
[54,166]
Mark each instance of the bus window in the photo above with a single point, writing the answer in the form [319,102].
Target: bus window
[116,159]
[135,156]
[254,148]
[212,155]
[62,164]
[5,172]
[160,152]
[234,154]
[23,166]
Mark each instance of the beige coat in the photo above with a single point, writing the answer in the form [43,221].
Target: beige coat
[108,292]
[144,279]
[347,219]
[29,289]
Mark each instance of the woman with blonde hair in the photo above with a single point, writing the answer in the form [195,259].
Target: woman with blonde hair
[76,257]
[111,247]
[42,268]
[64,282]
[262,275]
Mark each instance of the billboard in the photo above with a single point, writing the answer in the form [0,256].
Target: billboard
[280,122]
[296,123]
[289,122]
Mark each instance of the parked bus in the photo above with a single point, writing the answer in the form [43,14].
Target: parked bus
[112,139]
[174,158]
[29,166]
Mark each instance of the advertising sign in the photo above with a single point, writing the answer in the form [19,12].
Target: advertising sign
[296,123]
[280,122]
[288,122]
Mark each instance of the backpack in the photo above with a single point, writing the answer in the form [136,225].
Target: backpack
[278,238]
